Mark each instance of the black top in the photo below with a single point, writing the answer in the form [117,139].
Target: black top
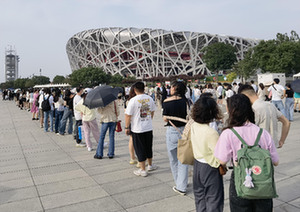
[289,93]
[175,108]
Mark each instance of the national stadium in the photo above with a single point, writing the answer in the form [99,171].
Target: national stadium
[146,53]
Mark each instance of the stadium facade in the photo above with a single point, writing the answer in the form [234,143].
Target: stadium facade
[146,52]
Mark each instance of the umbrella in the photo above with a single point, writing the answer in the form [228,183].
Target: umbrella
[101,96]
[296,86]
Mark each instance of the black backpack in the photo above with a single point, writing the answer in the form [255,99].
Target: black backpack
[46,104]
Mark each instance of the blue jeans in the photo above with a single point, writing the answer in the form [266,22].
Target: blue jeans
[48,114]
[67,115]
[279,105]
[111,149]
[179,170]
[289,108]
[58,117]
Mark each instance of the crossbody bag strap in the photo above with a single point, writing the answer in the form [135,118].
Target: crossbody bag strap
[258,137]
[239,137]
[173,125]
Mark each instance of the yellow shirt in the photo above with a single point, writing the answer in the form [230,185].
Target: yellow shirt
[204,140]
[87,114]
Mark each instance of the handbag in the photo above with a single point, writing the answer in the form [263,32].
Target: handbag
[184,147]
[118,126]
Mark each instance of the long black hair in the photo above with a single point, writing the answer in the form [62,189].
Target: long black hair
[240,111]
[180,90]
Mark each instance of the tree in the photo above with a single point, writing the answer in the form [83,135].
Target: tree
[246,67]
[58,79]
[219,56]
[20,83]
[40,80]
[89,77]
[280,55]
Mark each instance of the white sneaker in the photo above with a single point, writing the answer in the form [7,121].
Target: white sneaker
[80,145]
[90,149]
[140,172]
[151,168]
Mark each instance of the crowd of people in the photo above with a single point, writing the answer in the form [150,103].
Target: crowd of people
[214,144]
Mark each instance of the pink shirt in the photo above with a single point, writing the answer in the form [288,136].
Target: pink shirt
[228,143]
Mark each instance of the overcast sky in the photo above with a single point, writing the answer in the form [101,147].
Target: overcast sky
[40,29]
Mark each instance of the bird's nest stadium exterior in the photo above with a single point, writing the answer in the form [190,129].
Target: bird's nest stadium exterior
[145,53]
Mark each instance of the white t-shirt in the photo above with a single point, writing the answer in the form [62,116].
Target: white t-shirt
[229,93]
[140,108]
[219,90]
[254,87]
[77,114]
[276,93]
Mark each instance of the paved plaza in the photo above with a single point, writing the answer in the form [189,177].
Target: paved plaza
[45,172]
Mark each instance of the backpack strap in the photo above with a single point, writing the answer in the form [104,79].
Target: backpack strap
[258,137]
[242,140]
[239,137]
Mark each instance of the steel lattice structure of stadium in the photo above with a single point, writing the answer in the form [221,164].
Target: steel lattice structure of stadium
[146,53]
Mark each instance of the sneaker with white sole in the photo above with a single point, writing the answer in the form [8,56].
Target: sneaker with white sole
[178,191]
[140,172]
[151,168]
[132,161]
[80,145]
[90,149]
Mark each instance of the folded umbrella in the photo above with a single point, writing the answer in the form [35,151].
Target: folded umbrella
[295,85]
[101,96]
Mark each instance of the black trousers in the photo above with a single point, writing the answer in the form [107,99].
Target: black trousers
[208,188]
[238,204]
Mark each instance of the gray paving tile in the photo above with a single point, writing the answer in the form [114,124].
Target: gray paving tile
[29,205]
[286,208]
[15,184]
[288,190]
[295,203]
[171,204]
[144,195]
[106,204]
[7,176]
[59,177]
[130,184]
[72,197]
[67,185]
[113,176]
[17,194]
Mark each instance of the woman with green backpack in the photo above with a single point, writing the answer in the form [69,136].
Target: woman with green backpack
[253,154]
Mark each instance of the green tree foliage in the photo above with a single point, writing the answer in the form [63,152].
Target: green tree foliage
[89,77]
[6,85]
[219,56]
[20,83]
[29,83]
[40,80]
[231,76]
[280,55]
[58,79]
[246,67]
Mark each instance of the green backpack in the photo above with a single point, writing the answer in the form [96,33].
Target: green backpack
[254,174]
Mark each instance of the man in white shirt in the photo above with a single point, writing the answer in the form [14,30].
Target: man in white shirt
[267,116]
[77,116]
[254,86]
[278,92]
[138,115]
[219,93]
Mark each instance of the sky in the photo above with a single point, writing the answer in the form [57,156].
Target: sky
[40,29]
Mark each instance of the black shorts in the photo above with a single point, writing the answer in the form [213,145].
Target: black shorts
[142,143]
[220,97]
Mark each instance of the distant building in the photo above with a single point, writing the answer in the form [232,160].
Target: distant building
[144,53]
[11,65]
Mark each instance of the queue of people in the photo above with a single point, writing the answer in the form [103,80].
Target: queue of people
[212,148]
